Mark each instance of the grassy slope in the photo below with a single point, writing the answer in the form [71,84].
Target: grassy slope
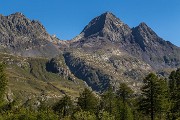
[29,80]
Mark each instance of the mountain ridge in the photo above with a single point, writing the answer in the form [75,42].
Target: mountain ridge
[106,52]
[113,32]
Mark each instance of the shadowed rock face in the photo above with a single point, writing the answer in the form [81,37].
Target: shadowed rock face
[107,25]
[154,50]
[21,36]
[94,77]
[107,51]
[107,31]
[102,30]
[122,54]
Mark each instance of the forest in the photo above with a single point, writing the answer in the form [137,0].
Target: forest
[159,100]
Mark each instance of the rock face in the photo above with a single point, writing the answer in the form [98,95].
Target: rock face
[107,51]
[94,77]
[107,31]
[103,30]
[21,36]
[124,54]
[154,50]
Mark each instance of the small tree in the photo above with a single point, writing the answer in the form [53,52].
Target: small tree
[124,111]
[64,107]
[124,92]
[88,101]
[84,115]
[152,101]
[108,100]
[174,86]
[103,115]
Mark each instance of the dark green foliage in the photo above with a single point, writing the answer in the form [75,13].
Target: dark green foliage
[124,92]
[88,101]
[26,114]
[157,101]
[64,107]
[124,112]
[153,101]
[84,115]
[108,101]
[104,115]
[174,86]
[123,103]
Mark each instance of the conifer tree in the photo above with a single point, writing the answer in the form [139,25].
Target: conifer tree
[153,100]
[108,100]
[123,111]
[174,86]
[88,101]
[64,107]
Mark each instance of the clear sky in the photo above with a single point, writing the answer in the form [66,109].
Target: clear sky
[67,18]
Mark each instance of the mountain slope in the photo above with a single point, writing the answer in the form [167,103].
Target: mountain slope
[107,31]
[30,81]
[155,51]
[21,36]
[106,52]
[122,53]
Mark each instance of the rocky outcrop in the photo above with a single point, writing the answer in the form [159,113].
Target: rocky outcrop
[95,78]
[54,67]
[107,31]
[154,50]
[24,37]
[107,51]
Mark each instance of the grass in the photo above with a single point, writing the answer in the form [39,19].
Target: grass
[28,79]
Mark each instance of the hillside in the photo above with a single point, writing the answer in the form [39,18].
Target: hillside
[124,54]
[30,81]
[106,52]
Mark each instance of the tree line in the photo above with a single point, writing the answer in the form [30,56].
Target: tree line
[159,100]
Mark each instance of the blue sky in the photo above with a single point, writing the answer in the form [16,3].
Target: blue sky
[67,18]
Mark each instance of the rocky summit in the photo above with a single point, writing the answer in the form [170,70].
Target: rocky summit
[107,31]
[106,52]
[24,37]
[121,52]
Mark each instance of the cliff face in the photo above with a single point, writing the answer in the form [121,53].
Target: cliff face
[124,54]
[21,36]
[107,31]
[154,50]
[107,51]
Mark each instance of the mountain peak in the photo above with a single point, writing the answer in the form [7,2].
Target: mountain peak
[143,27]
[18,14]
[108,14]
[105,23]
[143,24]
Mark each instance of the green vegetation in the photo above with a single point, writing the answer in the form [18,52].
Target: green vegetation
[159,100]
[154,102]
[174,86]
[3,82]
[29,81]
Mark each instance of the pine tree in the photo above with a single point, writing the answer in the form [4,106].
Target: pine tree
[153,100]
[108,100]
[64,107]
[124,92]
[174,86]
[123,103]
[84,115]
[88,101]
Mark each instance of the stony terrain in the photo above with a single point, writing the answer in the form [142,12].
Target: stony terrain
[124,54]
[106,52]
[24,37]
